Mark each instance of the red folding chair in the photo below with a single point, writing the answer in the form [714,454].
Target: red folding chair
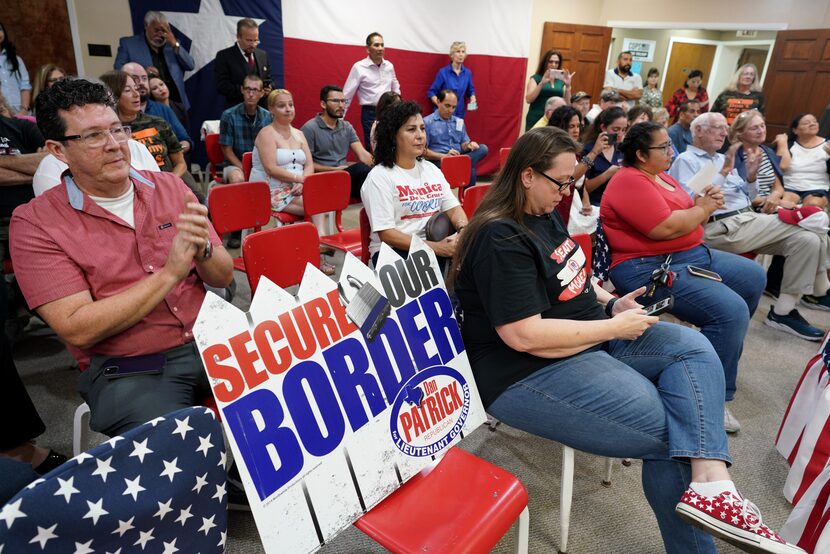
[365,235]
[472,198]
[503,153]
[457,170]
[240,206]
[247,164]
[281,254]
[215,156]
[465,504]
[329,192]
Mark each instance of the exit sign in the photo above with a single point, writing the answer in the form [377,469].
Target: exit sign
[746,34]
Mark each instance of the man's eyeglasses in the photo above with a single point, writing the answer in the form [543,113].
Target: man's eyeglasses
[667,148]
[336,100]
[251,90]
[97,139]
[561,186]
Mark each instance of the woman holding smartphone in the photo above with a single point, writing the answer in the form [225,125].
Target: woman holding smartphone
[549,80]
[649,221]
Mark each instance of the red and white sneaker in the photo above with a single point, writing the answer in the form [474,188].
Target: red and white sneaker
[733,519]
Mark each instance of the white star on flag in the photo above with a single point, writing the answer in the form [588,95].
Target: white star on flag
[170,547]
[220,492]
[204,445]
[35,483]
[96,510]
[124,526]
[223,459]
[82,457]
[85,548]
[66,488]
[164,509]
[140,449]
[116,552]
[156,421]
[114,440]
[104,468]
[133,487]
[182,427]
[222,538]
[144,538]
[209,30]
[11,512]
[44,535]
[201,481]
[184,515]
[207,524]
[170,469]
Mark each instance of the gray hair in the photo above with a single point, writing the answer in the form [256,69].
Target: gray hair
[706,119]
[154,15]
[554,100]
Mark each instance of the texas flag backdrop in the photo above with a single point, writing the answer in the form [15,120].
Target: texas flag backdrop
[315,43]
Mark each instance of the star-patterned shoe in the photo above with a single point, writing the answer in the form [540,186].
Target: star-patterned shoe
[733,519]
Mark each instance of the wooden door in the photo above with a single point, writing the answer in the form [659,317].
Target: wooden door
[585,51]
[798,78]
[685,57]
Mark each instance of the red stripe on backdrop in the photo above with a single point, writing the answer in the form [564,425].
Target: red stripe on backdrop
[499,81]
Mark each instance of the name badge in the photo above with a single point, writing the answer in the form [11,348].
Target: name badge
[459,124]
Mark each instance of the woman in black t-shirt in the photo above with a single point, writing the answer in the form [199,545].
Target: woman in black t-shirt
[558,357]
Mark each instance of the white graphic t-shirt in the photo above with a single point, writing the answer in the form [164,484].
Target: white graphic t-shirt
[404,199]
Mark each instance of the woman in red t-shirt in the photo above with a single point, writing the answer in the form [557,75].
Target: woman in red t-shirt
[647,217]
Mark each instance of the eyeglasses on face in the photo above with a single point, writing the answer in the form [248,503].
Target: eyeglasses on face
[336,100]
[251,90]
[97,139]
[560,185]
[667,147]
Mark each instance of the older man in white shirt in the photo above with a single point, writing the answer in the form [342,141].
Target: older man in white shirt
[369,78]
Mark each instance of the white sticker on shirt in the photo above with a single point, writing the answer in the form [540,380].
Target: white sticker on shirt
[459,124]
[572,267]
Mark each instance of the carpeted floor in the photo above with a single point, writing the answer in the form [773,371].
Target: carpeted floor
[603,520]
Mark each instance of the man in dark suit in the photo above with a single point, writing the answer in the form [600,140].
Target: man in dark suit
[233,64]
[159,48]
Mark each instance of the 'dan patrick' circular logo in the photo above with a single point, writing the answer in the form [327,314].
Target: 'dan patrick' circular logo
[429,411]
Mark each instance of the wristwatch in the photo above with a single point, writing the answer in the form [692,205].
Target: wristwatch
[177,44]
[206,254]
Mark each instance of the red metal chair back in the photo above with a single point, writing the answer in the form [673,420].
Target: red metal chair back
[457,169]
[240,206]
[281,254]
[214,154]
[472,198]
[247,164]
[325,192]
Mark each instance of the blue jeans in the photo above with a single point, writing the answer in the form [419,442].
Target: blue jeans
[721,310]
[367,117]
[659,398]
[475,157]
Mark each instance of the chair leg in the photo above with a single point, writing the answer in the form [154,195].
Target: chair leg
[609,466]
[566,496]
[523,536]
[78,429]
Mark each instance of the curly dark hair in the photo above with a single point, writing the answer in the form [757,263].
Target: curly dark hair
[638,139]
[392,119]
[62,96]
[11,51]
[561,117]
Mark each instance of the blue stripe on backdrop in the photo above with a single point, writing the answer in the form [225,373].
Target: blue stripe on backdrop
[204,27]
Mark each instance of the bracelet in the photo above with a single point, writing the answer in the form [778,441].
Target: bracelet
[609,307]
[589,163]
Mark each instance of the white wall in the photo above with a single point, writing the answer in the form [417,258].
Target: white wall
[101,22]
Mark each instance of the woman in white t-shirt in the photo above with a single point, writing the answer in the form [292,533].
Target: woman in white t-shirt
[805,164]
[402,191]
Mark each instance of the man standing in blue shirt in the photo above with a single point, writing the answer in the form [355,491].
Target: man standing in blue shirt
[737,228]
[447,134]
[681,132]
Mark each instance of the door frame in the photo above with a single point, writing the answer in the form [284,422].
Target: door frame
[719,45]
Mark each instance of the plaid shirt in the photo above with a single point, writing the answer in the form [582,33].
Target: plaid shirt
[239,131]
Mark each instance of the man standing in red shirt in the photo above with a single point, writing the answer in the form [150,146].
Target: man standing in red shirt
[116,262]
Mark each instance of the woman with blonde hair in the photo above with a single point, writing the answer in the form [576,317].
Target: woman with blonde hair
[457,78]
[282,159]
[46,76]
[742,93]
[750,130]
